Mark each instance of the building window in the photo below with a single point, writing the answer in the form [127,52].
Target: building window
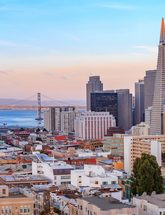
[145,208]
[113,182]
[104,183]
[65,177]
[3,191]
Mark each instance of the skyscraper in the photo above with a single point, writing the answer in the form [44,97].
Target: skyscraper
[149,83]
[105,101]
[159,90]
[94,84]
[124,109]
[60,119]
[139,101]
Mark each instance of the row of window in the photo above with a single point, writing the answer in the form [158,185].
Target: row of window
[8,210]
[24,210]
[89,212]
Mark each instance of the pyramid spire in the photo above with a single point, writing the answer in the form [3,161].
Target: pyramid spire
[162,32]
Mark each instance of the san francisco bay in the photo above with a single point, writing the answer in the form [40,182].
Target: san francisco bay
[18,118]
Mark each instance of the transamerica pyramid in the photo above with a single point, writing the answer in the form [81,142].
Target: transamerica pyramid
[159,90]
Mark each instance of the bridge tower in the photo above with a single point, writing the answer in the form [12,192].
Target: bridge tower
[39,116]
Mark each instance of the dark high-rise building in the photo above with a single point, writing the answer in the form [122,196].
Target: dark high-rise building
[105,101]
[149,84]
[139,101]
[124,109]
[94,84]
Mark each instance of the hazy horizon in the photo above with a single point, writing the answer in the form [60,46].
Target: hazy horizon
[53,47]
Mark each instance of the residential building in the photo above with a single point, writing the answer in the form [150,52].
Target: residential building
[93,125]
[135,146]
[159,89]
[92,176]
[14,202]
[60,119]
[115,130]
[80,161]
[97,205]
[94,84]
[150,205]
[22,180]
[139,101]
[105,101]
[58,172]
[114,144]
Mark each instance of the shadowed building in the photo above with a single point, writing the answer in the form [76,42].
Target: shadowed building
[106,101]
[149,83]
[139,101]
[124,109]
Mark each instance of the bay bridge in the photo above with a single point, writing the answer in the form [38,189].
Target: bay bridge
[34,103]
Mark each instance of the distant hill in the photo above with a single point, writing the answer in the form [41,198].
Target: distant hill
[17,102]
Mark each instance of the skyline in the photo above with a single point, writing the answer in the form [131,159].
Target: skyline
[53,47]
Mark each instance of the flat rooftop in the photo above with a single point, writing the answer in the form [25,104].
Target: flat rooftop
[106,203]
[155,199]
[9,178]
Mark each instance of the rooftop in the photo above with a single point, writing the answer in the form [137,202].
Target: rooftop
[106,203]
[155,199]
[13,178]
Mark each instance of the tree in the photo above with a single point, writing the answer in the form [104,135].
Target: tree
[146,176]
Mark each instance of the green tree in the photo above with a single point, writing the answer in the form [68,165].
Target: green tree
[146,176]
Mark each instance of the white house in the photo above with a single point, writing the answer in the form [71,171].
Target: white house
[57,171]
[92,176]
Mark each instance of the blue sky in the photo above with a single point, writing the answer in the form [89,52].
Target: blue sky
[59,43]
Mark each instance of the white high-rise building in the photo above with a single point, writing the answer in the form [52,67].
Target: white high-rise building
[60,119]
[159,90]
[93,125]
[148,113]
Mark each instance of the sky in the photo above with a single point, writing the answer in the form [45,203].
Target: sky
[53,46]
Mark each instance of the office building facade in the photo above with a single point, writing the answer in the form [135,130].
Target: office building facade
[149,84]
[106,101]
[125,119]
[94,85]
